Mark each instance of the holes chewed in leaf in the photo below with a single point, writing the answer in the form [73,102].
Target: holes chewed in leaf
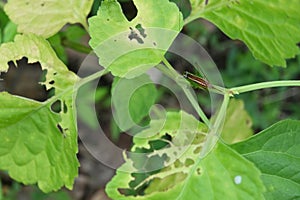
[129,9]
[60,128]
[188,162]
[141,30]
[198,171]
[56,106]
[134,36]
[24,79]
[65,109]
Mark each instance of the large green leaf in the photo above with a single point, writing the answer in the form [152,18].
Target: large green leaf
[134,46]
[237,125]
[39,145]
[222,174]
[270,28]
[132,100]
[276,152]
[45,18]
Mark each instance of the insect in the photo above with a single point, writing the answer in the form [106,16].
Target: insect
[197,81]
[202,83]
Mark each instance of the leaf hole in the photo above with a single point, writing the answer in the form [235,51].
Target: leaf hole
[141,30]
[65,108]
[129,9]
[134,36]
[184,7]
[24,79]
[197,150]
[60,128]
[56,107]
[198,171]
[52,82]
[178,164]
[188,162]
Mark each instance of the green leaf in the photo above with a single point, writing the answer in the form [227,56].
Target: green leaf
[276,152]
[56,43]
[237,125]
[45,18]
[74,33]
[132,100]
[129,48]
[270,28]
[222,174]
[39,145]
[3,18]
[9,32]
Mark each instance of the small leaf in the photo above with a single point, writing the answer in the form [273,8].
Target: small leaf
[9,32]
[132,100]
[237,125]
[222,174]
[270,28]
[276,152]
[39,145]
[129,48]
[45,18]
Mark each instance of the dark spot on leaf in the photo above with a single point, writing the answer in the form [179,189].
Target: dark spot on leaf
[133,35]
[27,3]
[42,4]
[198,171]
[107,19]
[197,150]
[248,122]
[56,106]
[60,128]
[188,162]
[65,108]
[154,43]
[141,30]
[178,164]
[55,73]
[51,82]
[24,79]
[115,40]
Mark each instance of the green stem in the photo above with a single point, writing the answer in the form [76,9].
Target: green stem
[215,130]
[172,73]
[91,78]
[258,86]
[76,46]
[85,25]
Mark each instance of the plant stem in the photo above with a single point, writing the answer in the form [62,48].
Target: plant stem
[172,73]
[85,25]
[76,46]
[258,86]
[215,130]
[91,78]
